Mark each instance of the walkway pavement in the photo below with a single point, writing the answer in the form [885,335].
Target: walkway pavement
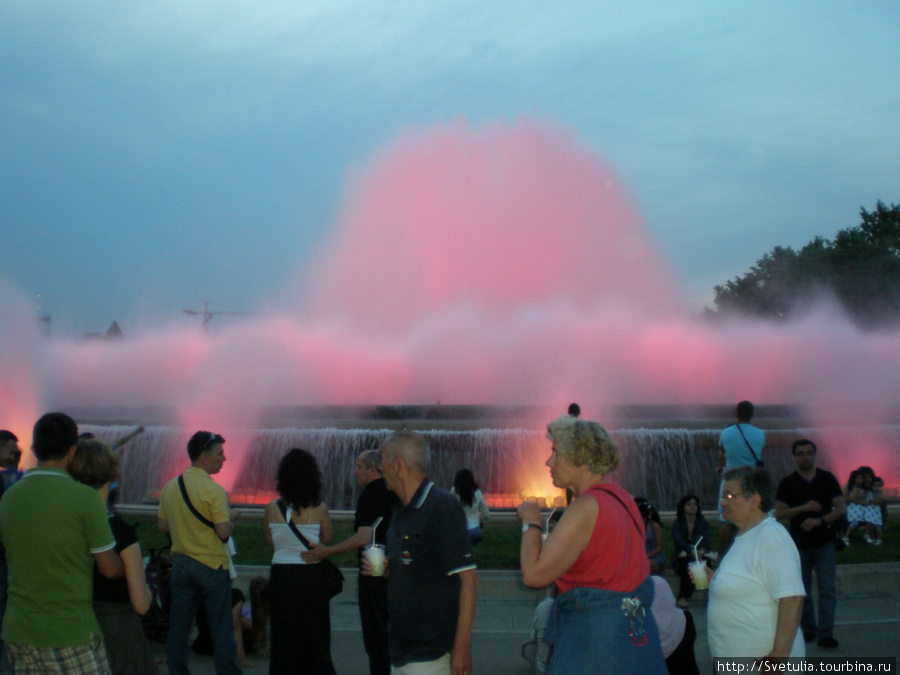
[868,622]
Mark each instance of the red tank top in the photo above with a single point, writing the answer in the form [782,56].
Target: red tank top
[615,558]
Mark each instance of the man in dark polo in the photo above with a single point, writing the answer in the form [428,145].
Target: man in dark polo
[432,580]
[375,502]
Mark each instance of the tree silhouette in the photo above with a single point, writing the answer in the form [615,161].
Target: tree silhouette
[860,268]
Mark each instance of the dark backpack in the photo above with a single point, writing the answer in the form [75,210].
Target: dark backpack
[157,572]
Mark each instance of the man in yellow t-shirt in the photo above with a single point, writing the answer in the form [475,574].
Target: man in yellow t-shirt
[200,562]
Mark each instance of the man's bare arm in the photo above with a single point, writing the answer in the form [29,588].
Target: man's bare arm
[356,541]
[461,655]
[109,564]
[789,611]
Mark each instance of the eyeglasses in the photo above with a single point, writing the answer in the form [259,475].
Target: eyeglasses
[213,438]
[728,496]
[805,453]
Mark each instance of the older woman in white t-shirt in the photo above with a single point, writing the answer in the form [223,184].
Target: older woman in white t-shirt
[756,595]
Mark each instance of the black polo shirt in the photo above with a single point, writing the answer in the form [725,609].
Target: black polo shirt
[427,546]
[794,490]
[375,500]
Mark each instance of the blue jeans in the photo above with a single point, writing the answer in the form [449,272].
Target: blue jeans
[191,583]
[475,534]
[591,633]
[824,561]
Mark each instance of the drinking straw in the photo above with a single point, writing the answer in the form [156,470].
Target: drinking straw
[374,525]
[697,555]
[547,524]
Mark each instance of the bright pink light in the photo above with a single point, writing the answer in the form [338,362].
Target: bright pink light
[496,220]
[504,264]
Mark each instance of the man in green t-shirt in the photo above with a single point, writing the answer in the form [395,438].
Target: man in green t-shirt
[54,530]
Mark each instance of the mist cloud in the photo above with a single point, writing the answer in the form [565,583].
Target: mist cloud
[504,264]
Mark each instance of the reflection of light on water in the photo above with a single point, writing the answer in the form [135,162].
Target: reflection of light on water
[511,501]
[531,476]
[535,485]
[252,497]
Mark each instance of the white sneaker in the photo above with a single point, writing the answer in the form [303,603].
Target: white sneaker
[846,541]
[877,542]
[868,539]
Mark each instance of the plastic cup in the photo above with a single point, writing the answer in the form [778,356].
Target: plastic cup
[698,571]
[375,555]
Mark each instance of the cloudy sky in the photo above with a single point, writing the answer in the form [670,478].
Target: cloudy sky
[156,155]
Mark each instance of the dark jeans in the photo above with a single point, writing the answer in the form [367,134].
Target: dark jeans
[193,583]
[685,586]
[824,561]
[374,617]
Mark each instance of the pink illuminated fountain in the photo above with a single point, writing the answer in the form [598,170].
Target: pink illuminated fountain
[504,265]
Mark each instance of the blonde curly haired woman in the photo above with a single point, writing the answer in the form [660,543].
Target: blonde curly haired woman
[601,620]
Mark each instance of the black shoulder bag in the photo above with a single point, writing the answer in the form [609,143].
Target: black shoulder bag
[334,578]
[200,517]
[759,462]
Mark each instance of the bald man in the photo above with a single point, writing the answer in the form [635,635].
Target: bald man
[432,582]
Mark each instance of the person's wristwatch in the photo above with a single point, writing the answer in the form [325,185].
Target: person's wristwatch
[526,526]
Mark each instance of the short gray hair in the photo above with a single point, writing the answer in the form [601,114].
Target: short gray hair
[754,481]
[371,459]
[411,447]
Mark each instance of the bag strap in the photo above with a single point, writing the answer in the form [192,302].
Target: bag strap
[624,505]
[752,451]
[200,517]
[290,523]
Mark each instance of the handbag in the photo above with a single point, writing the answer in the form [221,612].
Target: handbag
[155,621]
[333,577]
[759,462]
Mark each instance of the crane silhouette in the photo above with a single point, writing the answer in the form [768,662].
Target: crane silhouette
[208,313]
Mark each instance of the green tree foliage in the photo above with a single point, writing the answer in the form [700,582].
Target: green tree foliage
[860,268]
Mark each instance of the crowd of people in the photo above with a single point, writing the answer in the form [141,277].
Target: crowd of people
[73,586]
[760,600]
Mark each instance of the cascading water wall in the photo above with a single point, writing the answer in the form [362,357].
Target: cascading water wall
[659,464]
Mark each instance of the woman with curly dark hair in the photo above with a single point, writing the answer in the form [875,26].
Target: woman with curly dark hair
[688,528]
[300,636]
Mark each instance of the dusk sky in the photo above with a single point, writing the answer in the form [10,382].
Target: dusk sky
[156,155]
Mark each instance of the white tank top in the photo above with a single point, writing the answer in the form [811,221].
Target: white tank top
[287,546]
